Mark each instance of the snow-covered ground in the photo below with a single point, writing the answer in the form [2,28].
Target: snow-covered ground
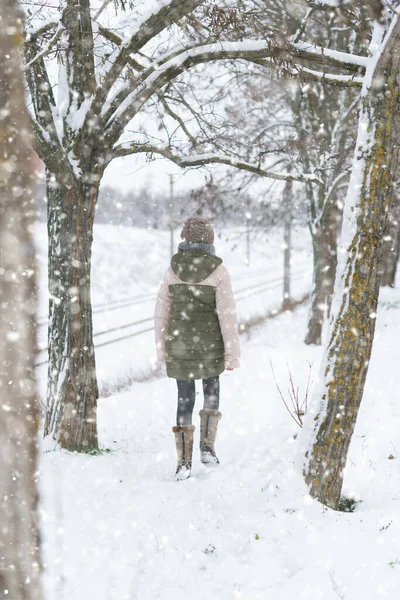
[119,527]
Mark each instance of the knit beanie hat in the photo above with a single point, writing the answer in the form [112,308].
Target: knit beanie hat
[198,229]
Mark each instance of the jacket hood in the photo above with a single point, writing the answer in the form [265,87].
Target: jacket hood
[193,266]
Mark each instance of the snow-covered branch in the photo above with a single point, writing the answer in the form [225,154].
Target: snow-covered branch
[126,104]
[200,160]
[329,78]
[157,21]
[334,58]
[270,48]
[47,138]
[330,4]
[45,148]
[42,29]
[45,51]
[101,9]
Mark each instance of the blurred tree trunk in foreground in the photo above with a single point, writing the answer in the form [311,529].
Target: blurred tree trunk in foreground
[19,552]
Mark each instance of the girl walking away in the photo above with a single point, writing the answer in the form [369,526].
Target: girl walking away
[197,336]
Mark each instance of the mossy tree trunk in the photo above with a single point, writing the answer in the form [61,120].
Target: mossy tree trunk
[368,202]
[19,536]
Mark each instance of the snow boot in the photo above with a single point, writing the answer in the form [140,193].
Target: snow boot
[184,449]
[208,432]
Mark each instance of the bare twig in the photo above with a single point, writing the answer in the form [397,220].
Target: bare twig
[299,408]
[296,420]
[102,7]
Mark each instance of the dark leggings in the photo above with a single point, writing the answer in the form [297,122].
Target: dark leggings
[187,395]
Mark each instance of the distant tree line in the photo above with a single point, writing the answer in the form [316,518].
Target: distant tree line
[224,204]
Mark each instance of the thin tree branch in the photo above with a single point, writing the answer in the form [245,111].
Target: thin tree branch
[329,78]
[153,79]
[200,160]
[109,35]
[178,119]
[152,26]
[296,420]
[329,5]
[47,49]
[102,7]
[34,35]
[302,25]
[334,58]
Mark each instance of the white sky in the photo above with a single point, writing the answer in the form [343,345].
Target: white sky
[133,173]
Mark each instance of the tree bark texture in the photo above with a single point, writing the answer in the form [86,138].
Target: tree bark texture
[72,384]
[324,240]
[73,178]
[391,244]
[326,130]
[19,537]
[79,54]
[357,286]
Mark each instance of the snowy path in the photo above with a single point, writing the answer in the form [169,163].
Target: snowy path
[118,527]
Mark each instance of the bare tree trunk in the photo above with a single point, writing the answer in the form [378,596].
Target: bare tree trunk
[19,538]
[391,245]
[323,218]
[325,260]
[72,384]
[369,199]
[287,238]
[329,153]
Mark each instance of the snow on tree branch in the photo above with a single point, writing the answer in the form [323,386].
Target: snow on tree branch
[175,62]
[199,160]
[47,139]
[47,49]
[126,103]
[332,57]
[339,80]
[169,13]
[330,4]
[41,29]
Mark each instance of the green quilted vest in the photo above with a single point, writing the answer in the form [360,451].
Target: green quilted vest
[194,347]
